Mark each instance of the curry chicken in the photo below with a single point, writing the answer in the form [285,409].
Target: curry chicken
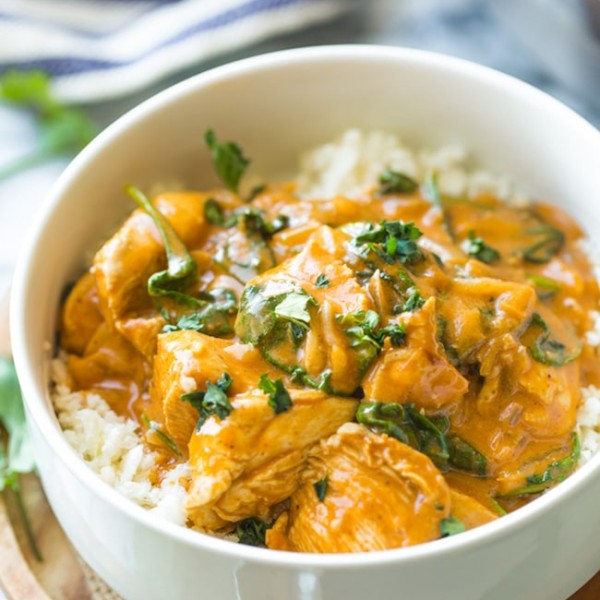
[342,374]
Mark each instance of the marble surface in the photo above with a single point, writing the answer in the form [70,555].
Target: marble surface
[492,32]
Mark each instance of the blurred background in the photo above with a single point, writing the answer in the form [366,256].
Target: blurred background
[104,57]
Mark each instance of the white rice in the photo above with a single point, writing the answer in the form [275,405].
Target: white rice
[112,445]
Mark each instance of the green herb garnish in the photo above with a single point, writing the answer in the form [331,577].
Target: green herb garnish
[322,281]
[545,287]
[279,398]
[213,213]
[214,318]
[475,246]
[393,182]
[451,526]
[431,191]
[362,326]
[17,458]
[545,350]
[412,303]
[63,130]
[556,472]
[294,308]
[551,243]
[321,488]
[428,434]
[254,223]
[392,241]
[167,440]
[251,531]
[180,264]
[212,401]
[228,160]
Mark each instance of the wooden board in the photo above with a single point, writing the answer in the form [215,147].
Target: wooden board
[63,575]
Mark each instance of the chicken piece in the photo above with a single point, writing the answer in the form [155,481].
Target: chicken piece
[469,511]
[419,371]
[185,362]
[323,347]
[477,309]
[125,263]
[520,389]
[380,494]
[245,464]
[80,316]
[110,363]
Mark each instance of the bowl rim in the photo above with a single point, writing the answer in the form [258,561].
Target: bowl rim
[45,419]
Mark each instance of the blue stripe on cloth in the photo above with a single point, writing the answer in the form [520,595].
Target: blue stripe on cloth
[220,20]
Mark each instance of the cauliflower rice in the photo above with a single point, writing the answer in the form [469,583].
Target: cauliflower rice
[112,446]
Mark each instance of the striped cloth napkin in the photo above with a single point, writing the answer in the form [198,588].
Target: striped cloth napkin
[100,49]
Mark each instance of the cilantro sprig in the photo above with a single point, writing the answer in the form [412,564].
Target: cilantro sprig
[279,398]
[16,457]
[62,129]
[392,241]
[321,488]
[212,401]
[363,327]
[228,160]
[476,247]
[451,526]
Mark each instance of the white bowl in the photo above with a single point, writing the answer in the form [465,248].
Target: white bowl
[275,106]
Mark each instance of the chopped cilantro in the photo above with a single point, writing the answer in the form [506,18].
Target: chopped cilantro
[228,160]
[279,398]
[322,281]
[413,302]
[551,242]
[294,308]
[475,246]
[321,487]
[545,350]
[212,401]
[162,436]
[362,328]
[63,130]
[451,526]
[251,531]
[391,241]
[391,182]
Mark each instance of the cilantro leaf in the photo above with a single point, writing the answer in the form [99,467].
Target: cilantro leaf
[254,222]
[551,243]
[362,328]
[391,182]
[212,401]
[412,303]
[451,526]
[12,416]
[181,266]
[279,398]
[167,440]
[228,160]
[431,190]
[391,241]
[321,488]
[18,458]
[475,246]
[544,349]
[213,314]
[322,281]
[294,308]
[251,531]
[556,472]
[63,130]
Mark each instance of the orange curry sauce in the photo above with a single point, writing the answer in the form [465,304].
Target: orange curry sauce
[473,334]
